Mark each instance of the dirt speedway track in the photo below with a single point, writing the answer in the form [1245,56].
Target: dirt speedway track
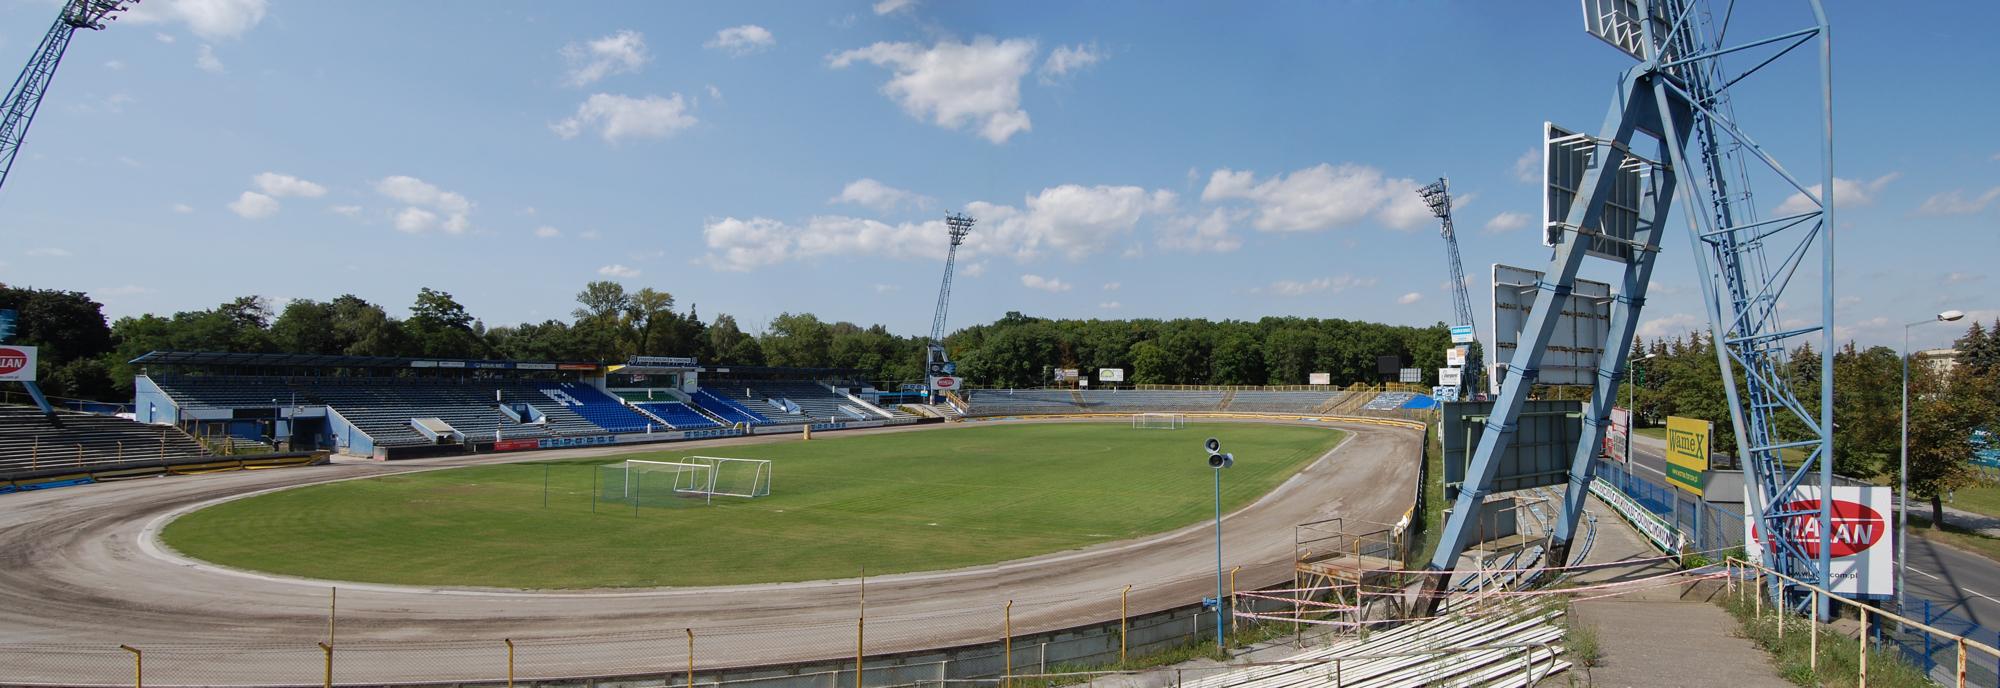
[80,575]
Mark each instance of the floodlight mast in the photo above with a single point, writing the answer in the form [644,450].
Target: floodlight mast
[24,98]
[1678,94]
[936,364]
[1437,195]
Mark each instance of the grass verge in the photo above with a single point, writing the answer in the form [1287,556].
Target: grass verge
[1839,655]
[1962,538]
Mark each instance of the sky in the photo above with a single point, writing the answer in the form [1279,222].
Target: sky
[1123,159]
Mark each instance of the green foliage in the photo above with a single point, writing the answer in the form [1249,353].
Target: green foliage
[1839,654]
[924,500]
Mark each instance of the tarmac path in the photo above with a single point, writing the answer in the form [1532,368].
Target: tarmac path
[81,573]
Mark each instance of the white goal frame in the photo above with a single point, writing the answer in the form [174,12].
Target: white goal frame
[1159,421]
[700,477]
[760,482]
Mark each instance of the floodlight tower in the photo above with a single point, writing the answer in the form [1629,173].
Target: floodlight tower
[1678,94]
[937,366]
[25,96]
[1437,195]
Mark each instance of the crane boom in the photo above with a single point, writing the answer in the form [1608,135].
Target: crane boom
[24,98]
[1437,195]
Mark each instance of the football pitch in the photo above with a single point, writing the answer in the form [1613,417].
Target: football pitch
[891,502]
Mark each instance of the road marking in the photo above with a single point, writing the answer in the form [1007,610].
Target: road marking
[1967,591]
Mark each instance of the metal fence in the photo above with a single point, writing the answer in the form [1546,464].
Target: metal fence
[1938,655]
[1709,527]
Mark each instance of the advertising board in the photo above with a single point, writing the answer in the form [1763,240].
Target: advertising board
[17,364]
[1862,538]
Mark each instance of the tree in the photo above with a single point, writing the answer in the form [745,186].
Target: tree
[440,327]
[306,327]
[731,344]
[798,341]
[68,329]
[364,329]
[1943,413]
[648,310]
[1238,360]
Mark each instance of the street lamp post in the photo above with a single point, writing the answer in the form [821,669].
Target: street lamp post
[1632,413]
[1903,470]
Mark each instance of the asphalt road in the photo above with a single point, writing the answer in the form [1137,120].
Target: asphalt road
[1957,582]
[81,572]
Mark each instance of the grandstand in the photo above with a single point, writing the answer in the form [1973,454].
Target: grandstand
[30,441]
[677,415]
[1134,400]
[1263,401]
[1005,402]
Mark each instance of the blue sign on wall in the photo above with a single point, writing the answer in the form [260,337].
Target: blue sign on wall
[7,318]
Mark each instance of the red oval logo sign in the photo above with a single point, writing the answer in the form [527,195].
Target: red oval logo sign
[946,383]
[1856,527]
[12,360]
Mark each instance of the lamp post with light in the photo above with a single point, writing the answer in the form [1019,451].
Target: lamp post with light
[1903,472]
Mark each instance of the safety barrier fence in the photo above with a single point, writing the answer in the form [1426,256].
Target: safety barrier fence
[1874,631]
[1705,527]
[977,645]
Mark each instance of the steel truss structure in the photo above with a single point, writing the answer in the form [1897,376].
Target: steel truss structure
[1678,98]
[1437,195]
[936,363]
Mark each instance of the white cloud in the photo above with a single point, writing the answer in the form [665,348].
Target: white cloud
[1321,197]
[1954,202]
[547,232]
[347,210]
[714,93]
[1846,193]
[183,208]
[254,206]
[973,269]
[588,234]
[425,204]
[894,6]
[1110,305]
[739,245]
[869,193]
[1203,234]
[1112,286]
[597,58]
[618,271]
[955,84]
[278,185]
[415,220]
[48,253]
[1674,325]
[742,40]
[1962,278]
[1528,167]
[163,37]
[1074,220]
[205,59]
[1337,284]
[1066,60]
[1410,298]
[886,288]
[620,117]
[1506,222]
[1047,284]
[212,20]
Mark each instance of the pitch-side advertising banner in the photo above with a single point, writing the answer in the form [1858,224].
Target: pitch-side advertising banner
[1863,541]
[1110,374]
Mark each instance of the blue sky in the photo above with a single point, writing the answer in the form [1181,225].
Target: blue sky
[1125,159]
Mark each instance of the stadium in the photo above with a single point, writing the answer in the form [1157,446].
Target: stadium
[1268,475]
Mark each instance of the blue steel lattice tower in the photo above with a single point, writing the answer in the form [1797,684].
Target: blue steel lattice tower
[938,366]
[24,98]
[1437,195]
[1679,94]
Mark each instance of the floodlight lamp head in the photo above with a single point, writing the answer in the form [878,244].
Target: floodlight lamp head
[957,225]
[1949,316]
[1437,195]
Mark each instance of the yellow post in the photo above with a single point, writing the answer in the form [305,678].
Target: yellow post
[139,664]
[332,609]
[1232,599]
[328,651]
[690,633]
[1812,626]
[510,661]
[806,432]
[1760,593]
[1124,621]
[860,622]
[1961,663]
[1007,642]
[1862,681]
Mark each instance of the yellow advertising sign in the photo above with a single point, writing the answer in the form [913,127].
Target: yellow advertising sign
[1687,452]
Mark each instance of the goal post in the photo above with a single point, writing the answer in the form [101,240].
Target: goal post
[1159,421]
[656,483]
[736,477]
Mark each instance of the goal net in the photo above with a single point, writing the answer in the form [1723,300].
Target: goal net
[733,477]
[656,483]
[1158,421]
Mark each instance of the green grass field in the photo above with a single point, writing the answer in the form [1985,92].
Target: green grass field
[891,502]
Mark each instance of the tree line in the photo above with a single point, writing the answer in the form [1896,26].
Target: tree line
[85,356]
[1681,377]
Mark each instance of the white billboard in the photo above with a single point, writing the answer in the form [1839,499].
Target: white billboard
[1863,540]
[1455,357]
[1319,378]
[1619,435]
[1578,341]
[1448,377]
[17,364]
[1410,375]
[1461,334]
[1110,374]
[944,383]
[1066,374]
